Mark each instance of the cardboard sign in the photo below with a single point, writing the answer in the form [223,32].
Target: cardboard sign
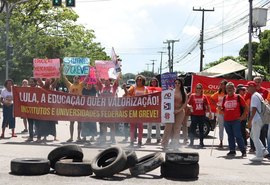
[76,66]
[46,68]
[167,80]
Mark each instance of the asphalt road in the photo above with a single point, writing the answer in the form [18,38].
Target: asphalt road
[215,167]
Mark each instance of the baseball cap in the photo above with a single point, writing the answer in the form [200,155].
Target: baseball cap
[251,83]
[241,87]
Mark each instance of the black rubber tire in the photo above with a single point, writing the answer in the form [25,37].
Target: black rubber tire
[67,167]
[182,157]
[147,164]
[109,162]
[30,166]
[132,159]
[179,171]
[70,151]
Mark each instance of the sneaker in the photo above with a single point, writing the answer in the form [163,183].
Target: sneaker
[256,159]
[69,140]
[244,153]
[139,143]
[251,151]
[2,136]
[13,135]
[201,145]
[158,140]
[267,156]
[29,139]
[24,131]
[220,144]
[92,139]
[231,153]
[148,141]
[265,153]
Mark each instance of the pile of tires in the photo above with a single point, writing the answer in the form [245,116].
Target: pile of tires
[67,160]
[57,160]
[180,165]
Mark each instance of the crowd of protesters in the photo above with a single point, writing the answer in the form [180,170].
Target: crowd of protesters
[236,111]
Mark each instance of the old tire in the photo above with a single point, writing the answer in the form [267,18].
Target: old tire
[65,152]
[179,171]
[109,162]
[147,164]
[30,166]
[182,157]
[69,168]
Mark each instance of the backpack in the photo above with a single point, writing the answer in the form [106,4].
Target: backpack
[265,111]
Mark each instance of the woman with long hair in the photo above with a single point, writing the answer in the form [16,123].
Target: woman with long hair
[137,90]
[200,106]
[217,99]
[172,130]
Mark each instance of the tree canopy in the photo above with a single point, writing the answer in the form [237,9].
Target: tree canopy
[38,30]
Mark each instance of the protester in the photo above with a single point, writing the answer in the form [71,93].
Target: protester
[106,89]
[74,88]
[255,121]
[217,99]
[241,90]
[137,90]
[172,130]
[7,102]
[200,105]
[153,87]
[232,119]
[89,128]
[31,122]
[25,84]
[46,127]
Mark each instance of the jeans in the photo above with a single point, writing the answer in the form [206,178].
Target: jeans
[196,120]
[220,120]
[255,135]
[233,129]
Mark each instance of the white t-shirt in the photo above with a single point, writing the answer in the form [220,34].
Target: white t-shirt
[6,95]
[256,99]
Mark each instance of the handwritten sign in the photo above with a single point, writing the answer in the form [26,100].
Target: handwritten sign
[76,66]
[46,68]
[167,80]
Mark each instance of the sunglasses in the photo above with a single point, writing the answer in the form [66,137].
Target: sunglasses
[139,79]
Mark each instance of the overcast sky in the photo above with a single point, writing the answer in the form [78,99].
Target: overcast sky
[137,29]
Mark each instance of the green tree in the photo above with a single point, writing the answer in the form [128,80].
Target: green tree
[262,57]
[38,30]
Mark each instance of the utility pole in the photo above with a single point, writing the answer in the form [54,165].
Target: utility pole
[153,65]
[161,54]
[170,63]
[8,10]
[202,34]
[250,30]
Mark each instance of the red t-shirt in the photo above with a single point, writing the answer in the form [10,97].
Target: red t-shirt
[199,104]
[231,107]
[264,92]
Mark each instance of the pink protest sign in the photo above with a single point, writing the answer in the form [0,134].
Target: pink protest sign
[46,68]
[105,69]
